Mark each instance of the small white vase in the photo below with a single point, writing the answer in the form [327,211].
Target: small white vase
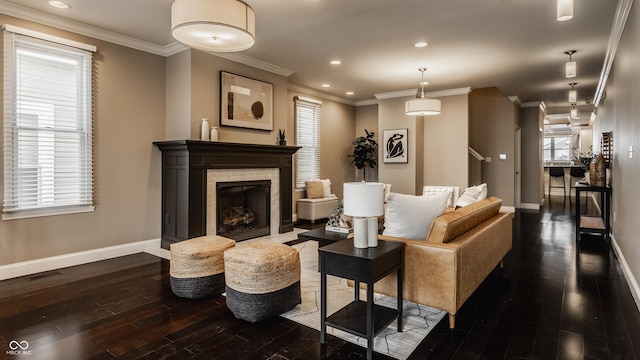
[204,130]
[214,133]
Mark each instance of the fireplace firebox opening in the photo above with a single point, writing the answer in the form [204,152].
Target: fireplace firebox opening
[243,209]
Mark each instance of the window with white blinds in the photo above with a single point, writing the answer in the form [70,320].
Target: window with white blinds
[48,162]
[307,113]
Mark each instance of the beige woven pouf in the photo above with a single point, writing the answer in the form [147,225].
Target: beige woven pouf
[197,266]
[262,280]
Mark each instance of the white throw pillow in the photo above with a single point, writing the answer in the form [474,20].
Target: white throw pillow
[326,187]
[410,217]
[472,194]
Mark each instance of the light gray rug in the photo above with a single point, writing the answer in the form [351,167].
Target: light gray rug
[418,320]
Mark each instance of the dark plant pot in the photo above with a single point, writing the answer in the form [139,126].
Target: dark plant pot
[282,142]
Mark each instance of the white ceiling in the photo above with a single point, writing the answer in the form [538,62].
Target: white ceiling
[516,45]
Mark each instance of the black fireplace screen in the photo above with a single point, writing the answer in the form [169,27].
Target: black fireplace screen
[243,209]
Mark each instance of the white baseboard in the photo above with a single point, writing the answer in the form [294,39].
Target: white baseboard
[530,206]
[631,280]
[79,258]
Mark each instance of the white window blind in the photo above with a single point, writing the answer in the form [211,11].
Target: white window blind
[308,138]
[47,145]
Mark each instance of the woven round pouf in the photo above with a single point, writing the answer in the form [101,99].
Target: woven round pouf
[197,266]
[262,280]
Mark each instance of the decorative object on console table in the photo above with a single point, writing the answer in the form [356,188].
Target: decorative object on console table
[395,146]
[364,201]
[245,102]
[281,138]
[204,129]
[598,172]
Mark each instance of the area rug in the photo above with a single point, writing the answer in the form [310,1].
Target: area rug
[418,320]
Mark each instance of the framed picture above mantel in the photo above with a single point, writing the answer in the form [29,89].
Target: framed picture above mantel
[245,102]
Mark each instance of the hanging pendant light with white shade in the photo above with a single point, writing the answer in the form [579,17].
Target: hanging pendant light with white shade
[574,111]
[565,10]
[573,94]
[570,67]
[220,25]
[421,106]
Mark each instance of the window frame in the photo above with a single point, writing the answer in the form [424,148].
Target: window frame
[24,142]
[309,143]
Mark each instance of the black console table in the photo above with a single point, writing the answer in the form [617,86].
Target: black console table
[364,319]
[594,224]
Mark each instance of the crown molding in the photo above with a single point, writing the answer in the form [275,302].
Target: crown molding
[367,102]
[431,94]
[249,61]
[515,99]
[24,13]
[306,90]
[619,21]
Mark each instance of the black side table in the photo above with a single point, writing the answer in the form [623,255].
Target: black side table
[322,236]
[361,318]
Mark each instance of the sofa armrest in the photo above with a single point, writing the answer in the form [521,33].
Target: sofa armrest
[429,274]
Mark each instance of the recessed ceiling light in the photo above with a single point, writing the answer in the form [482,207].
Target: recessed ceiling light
[326,85]
[349,92]
[420,44]
[336,62]
[59,4]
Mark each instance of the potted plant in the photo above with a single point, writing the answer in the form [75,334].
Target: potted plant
[365,152]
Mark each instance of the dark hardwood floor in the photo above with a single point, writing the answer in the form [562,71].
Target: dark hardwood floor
[547,303]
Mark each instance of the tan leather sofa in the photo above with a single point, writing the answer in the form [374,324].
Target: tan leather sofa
[462,247]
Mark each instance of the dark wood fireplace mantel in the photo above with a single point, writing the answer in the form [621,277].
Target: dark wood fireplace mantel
[184,181]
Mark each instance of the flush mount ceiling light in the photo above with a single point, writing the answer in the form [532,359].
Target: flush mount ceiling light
[573,94]
[221,25]
[565,10]
[574,111]
[570,67]
[421,106]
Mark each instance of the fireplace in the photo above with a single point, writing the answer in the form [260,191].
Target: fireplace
[243,209]
[190,170]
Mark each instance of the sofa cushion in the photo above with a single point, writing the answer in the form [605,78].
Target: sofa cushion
[409,216]
[450,225]
[315,189]
[472,195]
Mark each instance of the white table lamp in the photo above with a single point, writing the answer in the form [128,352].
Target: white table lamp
[365,202]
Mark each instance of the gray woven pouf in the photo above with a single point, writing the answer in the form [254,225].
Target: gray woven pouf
[262,280]
[197,266]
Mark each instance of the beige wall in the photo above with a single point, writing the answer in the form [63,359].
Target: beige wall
[492,123]
[403,177]
[531,160]
[129,114]
[205,99]
[446,143]
[178,95]
[619,114]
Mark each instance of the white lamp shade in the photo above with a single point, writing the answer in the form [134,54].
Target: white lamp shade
[573,96]
[363,199]
[221,25]
[422,107]
[570,69]
[565,10]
